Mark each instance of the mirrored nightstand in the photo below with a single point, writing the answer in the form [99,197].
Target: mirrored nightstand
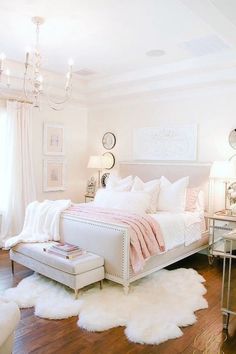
[218,223]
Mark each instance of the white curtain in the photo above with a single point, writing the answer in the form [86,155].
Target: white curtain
[17,181]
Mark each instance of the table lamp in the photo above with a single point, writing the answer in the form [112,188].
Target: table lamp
[98,162]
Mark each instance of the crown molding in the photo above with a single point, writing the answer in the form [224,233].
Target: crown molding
[165,163]
[194,74]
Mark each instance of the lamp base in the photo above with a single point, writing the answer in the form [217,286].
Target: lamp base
[99,178]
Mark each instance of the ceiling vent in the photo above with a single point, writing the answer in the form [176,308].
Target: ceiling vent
[205,46]
[85,72]
[155,53]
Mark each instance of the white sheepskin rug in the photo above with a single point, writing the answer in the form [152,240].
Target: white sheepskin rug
[153,312]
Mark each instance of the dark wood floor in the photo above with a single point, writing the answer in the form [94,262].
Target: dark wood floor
[39,336]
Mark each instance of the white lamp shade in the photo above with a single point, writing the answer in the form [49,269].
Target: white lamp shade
[224,170]
[97,162]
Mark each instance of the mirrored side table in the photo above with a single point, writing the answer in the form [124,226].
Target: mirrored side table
[228,295]
[218,223]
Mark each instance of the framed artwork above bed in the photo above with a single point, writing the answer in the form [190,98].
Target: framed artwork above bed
[166,143]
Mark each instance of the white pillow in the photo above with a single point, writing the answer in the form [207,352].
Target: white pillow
[150,187]
[172,196]
[116,183]
[136,202]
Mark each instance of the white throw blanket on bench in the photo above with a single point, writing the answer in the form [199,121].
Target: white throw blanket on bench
[41,222]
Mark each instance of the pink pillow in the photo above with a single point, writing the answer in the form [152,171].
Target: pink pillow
[191,199]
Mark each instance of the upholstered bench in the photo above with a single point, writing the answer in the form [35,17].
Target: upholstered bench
[75,273]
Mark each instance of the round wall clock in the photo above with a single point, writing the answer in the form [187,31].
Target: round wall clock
[232,138]
[110,160]
[108,140]
[104,179]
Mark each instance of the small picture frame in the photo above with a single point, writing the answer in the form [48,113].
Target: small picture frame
[91,187]
[53,139]
[53,175]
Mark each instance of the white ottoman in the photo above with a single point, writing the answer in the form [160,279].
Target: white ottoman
[9,319]
[75,273]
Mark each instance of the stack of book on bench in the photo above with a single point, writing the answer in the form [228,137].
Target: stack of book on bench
[65,250]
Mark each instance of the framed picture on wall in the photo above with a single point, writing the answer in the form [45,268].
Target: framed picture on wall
[53,139]
[53,175]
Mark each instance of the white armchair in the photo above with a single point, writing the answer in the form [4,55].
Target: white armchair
[9,319]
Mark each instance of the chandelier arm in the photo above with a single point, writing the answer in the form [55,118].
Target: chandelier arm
[62,101]
[55,106]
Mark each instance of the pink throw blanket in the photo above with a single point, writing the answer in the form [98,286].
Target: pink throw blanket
[145,235]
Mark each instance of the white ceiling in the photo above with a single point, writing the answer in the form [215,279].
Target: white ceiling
[111,37]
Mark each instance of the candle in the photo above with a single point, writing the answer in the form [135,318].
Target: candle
[27,54]
[68,78]
[2,58]
[8,77]
[70,63]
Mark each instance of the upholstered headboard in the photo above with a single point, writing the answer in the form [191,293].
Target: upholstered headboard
[198,172]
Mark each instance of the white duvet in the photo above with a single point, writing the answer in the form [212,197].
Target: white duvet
[179,228]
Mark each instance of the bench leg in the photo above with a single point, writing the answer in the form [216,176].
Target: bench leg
[76,293]
[101,284]
[12,267]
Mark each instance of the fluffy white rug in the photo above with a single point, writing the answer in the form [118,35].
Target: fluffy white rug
[153,312]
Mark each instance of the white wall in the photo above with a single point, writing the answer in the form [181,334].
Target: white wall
[74,119]
[215,115]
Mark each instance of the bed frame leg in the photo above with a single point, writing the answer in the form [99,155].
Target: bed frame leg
[126,289]
[12,267]
[76,293]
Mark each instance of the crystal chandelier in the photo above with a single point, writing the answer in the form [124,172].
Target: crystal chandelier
[33,79]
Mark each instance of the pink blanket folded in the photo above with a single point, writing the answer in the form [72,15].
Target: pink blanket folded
[145,235]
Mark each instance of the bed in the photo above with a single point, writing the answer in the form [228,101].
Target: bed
[112,240]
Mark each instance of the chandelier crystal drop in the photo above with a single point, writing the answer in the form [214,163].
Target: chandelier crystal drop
[33,80]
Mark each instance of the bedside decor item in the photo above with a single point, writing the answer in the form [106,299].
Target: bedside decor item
[231,195]
[108,140]
[91,187]
[53,139]
[109,160]
[223,171]
[89,198]
[104,179]
[99,163]
[232,139]
[53,175]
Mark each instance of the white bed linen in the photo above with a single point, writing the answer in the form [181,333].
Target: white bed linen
[179,228]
